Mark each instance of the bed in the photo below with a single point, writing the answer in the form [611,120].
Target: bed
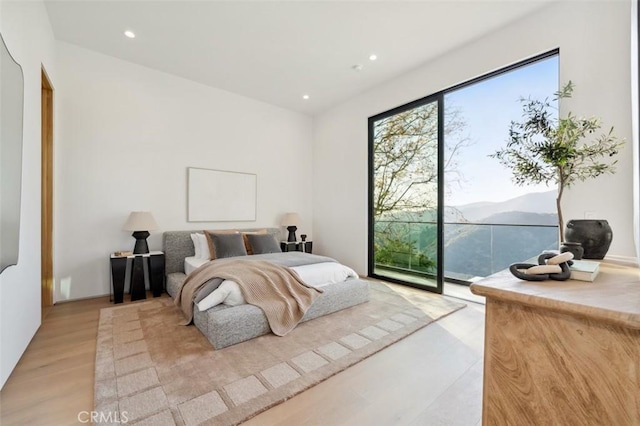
[225,325]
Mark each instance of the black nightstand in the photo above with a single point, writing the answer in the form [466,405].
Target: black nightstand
[303,246]
[155,269]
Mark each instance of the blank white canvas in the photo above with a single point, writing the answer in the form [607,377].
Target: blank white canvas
[221,196]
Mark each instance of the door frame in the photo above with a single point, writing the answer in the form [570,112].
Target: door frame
[437,98]
[46,210]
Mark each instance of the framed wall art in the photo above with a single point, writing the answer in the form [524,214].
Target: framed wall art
[221,196]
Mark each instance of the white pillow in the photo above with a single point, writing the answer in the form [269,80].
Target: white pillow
[204,247]
[196,245]
[228,293]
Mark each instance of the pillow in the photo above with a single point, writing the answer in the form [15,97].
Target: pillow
[227,245]
[207,289]
[247,245]
[196,245]
[228,293]
[261,243]
[204,246]
[212,252]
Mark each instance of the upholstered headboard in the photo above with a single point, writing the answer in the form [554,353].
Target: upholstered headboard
[177,245]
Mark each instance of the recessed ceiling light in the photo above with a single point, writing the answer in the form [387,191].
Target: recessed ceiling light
[130,34]
[357,67]
[373,57]
[305,97]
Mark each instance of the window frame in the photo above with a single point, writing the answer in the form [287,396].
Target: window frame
[439,98]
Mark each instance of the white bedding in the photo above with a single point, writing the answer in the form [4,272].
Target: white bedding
[192,263]
[316,275]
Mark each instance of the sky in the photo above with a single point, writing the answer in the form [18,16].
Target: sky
[488,107]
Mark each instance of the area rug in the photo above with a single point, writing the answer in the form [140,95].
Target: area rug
[152,371]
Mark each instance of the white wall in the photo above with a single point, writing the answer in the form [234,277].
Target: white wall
[593,38]
[28,35]
[126,137]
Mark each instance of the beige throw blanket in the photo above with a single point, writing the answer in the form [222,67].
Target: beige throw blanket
[276,289]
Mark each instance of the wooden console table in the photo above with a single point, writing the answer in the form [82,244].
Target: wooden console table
[562,352]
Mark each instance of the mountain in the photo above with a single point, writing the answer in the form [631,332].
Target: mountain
[480,249]
[482,238]
[522,218]
[536,202]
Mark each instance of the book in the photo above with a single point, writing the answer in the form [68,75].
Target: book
[584,270]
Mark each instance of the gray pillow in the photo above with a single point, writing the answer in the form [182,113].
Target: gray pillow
[206,289]
[228,245]
[263,243]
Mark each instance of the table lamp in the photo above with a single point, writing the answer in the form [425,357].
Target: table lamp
[140,223]
[291,221]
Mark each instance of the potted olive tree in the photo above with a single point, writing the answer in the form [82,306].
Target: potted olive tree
[546,148]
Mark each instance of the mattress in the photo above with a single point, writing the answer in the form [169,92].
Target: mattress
[192,263]
[316,275]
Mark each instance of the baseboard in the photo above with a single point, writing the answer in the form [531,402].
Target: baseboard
[58,302]
[622,260]
[148,293]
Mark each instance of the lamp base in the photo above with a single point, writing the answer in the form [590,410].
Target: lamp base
[141,246]
[292,233]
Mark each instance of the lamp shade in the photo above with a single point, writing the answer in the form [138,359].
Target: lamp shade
[290,219]
[140,221]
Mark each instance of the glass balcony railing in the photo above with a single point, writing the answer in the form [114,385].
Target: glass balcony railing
[471,250]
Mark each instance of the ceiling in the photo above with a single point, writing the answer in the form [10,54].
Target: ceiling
[277,51]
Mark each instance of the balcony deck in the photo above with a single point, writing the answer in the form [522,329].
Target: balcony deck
[472,251]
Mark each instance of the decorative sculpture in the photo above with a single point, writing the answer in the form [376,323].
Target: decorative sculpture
[551,266]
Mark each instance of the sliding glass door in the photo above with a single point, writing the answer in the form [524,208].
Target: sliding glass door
[490,221]
[405,197]
[445,141]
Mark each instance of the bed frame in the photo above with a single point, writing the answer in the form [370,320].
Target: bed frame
[227,325]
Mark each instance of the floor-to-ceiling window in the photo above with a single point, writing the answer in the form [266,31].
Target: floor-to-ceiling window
[440,207]
[405,195]
[490,222]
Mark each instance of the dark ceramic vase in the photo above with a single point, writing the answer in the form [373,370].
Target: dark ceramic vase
[575,248]
[595,235]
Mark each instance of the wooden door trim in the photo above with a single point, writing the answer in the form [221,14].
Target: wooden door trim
[47,194]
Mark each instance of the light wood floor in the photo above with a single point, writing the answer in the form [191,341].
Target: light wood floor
[433,377]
